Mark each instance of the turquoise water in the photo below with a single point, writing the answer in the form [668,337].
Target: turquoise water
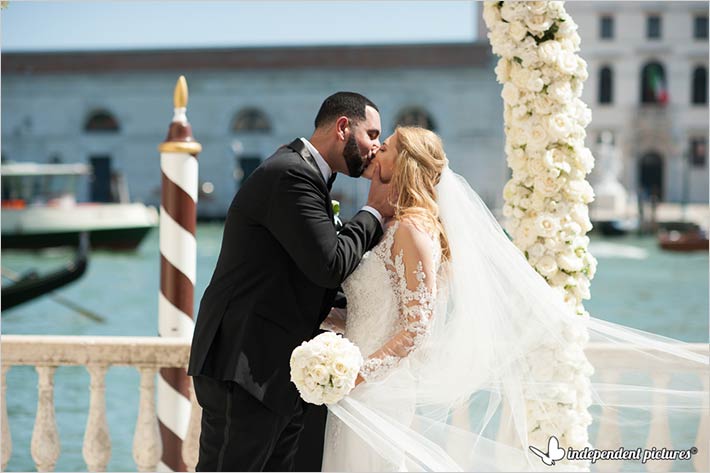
[665,293]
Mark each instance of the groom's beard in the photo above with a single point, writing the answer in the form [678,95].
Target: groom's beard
[353,160]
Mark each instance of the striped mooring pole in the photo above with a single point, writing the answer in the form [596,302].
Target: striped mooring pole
[178,255]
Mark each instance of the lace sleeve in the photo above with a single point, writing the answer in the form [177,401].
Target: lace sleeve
[412,267]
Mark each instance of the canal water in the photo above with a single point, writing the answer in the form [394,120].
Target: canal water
[636,285]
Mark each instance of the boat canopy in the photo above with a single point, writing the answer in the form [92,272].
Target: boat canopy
[37,169]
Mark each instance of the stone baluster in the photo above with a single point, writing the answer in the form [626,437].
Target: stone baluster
[191,444]
[609,434]
[659,435]
[701,460]
[147,446]
[97,441]
[6,438]
[45,437]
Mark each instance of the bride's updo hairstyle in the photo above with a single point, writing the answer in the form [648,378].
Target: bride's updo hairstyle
[418,168]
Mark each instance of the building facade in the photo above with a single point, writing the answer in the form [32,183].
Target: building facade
[112,109]
[648,86]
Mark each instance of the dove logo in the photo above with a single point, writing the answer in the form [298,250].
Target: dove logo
[553,454]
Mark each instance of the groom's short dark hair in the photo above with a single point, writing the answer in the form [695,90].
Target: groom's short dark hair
[348,104]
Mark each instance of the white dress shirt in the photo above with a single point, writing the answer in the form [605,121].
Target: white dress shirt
[327,172]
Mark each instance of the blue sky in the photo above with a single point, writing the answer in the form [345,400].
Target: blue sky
[83,25]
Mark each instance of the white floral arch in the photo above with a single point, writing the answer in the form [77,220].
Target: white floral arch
[547,197]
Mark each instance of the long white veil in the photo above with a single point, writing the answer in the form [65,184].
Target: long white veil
[489,363]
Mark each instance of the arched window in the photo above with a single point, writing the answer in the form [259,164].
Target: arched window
[653,84]
[651,175]
[101,121]
[251,120]
[700,85]
[415,116]
[606,85]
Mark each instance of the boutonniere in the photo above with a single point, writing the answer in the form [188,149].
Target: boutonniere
[336,214]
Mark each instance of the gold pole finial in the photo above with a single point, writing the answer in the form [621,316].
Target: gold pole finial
[180,96]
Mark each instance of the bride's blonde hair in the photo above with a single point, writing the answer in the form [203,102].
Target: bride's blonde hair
[418,167]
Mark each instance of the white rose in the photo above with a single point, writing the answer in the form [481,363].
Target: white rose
[503,70]
[549,51]
[538,23]
[560,91]
[536,250]
[567,62]
[537,7]
[516,159]
[528,53]
[519,112]
[526,233]
[517,31]
[590,263]
[535,84]
[580,215]
[579,190]
[546,225]
[537,202]
[562,279]
[537,164]
[507,210]
[542,105]
[577,87]
[548,184]
[491,14]
[586,159]
[510,93]
[567,27]
[581,290]
[556,8]
[511,11]
[320,374]
[537,137]
[519,75]
[581,71]
[546,265]
[572,228]
[559,126]
[569,261]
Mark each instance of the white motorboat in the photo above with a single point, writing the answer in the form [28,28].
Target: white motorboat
[40,210]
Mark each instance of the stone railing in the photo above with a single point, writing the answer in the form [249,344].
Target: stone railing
[97,354]
[149,354]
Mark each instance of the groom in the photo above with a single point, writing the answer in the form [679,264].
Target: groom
[277,274]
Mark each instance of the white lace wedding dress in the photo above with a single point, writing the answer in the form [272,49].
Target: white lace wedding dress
[391,300]
[456,359]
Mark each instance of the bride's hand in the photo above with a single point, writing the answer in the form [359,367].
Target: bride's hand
[359,380]
[380,196]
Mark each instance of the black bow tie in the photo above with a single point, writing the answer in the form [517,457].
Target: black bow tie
[331,180]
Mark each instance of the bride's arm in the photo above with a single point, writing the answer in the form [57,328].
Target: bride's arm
[335,322]
[414,275]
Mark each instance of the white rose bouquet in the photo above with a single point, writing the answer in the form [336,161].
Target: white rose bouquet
[324,369]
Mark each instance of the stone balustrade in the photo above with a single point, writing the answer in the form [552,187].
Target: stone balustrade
[97,354]
[149,354]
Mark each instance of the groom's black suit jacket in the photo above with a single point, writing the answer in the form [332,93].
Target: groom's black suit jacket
[277,274]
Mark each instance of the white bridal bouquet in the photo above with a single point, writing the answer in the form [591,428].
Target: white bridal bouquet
[324,369]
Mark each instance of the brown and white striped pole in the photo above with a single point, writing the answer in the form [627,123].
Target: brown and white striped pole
[178,255]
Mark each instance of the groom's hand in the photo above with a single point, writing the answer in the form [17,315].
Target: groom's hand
[381,196]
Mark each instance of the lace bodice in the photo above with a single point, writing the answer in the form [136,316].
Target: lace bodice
[391,297]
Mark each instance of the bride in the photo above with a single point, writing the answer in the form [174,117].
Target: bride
[451,320]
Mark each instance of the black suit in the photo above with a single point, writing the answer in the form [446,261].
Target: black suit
[277,274]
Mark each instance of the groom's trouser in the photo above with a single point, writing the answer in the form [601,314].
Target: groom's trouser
[239,433]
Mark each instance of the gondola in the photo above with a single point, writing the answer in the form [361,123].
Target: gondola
[32,285]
